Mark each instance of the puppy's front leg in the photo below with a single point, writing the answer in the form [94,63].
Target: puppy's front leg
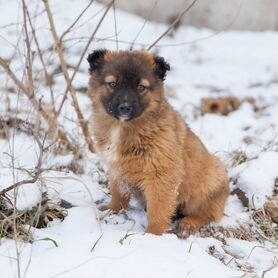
[161,206]
[119,200]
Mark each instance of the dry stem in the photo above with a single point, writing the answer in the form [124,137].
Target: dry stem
[58,43]
[84,52]
[51,120]
[173,24]
[37,172]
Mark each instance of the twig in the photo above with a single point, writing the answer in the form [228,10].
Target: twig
[143,26]
[115,26]
[84,52]
[37,172]
[76,20]
[17,184]
[30,94]
[88,191]
[173,24]
[275,263]
[29,58]
[36,105]
[226,27]
[47,76]
[83,123]
[19,23]
[145,45]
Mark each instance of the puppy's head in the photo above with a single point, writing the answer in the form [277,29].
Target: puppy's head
[126,84]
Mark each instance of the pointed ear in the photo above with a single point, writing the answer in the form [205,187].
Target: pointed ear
[96,59]
[161,67]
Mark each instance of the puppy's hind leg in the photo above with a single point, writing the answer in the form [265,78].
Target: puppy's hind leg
[212,211]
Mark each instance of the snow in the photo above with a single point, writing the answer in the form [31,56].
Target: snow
[257,179]
[256,255]
[240,64]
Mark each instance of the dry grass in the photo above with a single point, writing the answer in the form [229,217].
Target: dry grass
[264,227]
[37,217]
[237,158]
[220,233]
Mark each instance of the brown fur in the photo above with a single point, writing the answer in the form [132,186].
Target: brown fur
[157,154]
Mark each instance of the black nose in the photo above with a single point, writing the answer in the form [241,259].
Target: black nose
[124,109]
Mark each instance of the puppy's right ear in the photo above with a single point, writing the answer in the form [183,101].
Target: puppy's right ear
[161,67]
[96,59]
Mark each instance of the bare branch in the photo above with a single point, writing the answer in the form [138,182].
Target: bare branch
[143,26]
[51,120]
[5,65]
[30,94]
[115,25]
[47,76]
[14,186]
[35,176]
[84,52]
[173,24]
[29,58]
[58,43]
[75,21]
[59,49]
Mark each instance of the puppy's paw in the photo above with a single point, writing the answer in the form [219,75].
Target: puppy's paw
[185,233]
[104,207]
[189,226]
[111,207]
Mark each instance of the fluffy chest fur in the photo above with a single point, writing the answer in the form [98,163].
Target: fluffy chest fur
[108,145]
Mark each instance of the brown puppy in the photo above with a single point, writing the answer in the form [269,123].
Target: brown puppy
[147,145]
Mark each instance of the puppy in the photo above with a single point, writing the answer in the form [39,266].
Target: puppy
[148,147]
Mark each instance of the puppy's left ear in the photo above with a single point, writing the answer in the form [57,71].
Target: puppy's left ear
[161,67]
[96,59]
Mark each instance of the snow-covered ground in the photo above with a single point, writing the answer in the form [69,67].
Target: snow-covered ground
[95,244]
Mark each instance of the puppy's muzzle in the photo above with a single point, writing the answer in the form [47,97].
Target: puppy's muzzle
[124,110]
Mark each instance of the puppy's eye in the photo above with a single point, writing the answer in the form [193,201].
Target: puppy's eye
[112,84]
[140,88]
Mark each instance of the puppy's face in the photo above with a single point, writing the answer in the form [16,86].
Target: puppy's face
[126,84]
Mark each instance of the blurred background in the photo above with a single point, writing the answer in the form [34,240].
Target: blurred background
[255,15]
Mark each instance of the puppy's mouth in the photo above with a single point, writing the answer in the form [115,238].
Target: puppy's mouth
[124,118]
